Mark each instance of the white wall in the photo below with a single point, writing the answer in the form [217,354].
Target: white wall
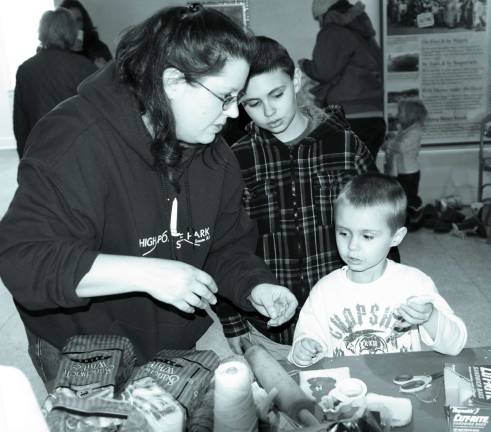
[447,171]
[6,133]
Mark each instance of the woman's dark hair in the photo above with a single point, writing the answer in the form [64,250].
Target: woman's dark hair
[197,41]
[93,47]
[57,29]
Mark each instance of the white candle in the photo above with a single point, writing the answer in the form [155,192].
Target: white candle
[234,406]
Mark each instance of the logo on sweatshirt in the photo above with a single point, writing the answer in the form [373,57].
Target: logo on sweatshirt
[149,244]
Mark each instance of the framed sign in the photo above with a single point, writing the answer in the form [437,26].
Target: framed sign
[439,51]
[238,10]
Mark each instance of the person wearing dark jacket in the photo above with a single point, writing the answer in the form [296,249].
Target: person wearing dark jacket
[348,66]
[88,43]
[128,219]
[50,76]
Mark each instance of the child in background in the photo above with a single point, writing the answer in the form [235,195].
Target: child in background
[294,161]
[402,155]
[373,305]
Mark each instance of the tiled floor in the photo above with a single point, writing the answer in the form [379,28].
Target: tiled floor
[461,269]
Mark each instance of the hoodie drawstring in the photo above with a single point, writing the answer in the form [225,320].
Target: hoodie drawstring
[168,205]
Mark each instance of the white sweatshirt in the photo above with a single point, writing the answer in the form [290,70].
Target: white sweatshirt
[349,318]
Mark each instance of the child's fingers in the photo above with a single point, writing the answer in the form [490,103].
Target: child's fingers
[414,315]
[311,346]
[406,318]
[419,307]
[301,356]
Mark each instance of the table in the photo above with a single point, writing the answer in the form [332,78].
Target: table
[378,370]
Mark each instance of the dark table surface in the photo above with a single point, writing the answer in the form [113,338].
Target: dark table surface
[377,371]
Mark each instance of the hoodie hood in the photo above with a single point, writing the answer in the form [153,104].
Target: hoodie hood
[109,99]
[119,107]
[316,116]
[354,18]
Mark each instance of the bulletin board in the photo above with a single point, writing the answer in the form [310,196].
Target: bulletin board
[438,51]
[237,10]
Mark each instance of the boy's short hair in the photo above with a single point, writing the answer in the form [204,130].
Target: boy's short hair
[374,189]
[269,56]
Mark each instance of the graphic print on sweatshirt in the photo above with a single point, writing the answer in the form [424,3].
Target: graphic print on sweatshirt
[367,329]
[196,238]
[149,244]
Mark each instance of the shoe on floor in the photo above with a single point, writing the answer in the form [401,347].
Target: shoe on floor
[452,216]
[442,227]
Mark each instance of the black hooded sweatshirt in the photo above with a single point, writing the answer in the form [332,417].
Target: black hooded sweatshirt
[86,186]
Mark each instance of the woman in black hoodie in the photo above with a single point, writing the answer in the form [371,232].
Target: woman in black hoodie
[128,218]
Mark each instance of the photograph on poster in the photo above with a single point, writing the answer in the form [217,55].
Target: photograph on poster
[237,10]
[403,62]
[430,16]
[395,96]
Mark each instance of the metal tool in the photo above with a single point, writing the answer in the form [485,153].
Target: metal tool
[415,383]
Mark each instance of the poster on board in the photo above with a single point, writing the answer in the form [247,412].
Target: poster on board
[438,51]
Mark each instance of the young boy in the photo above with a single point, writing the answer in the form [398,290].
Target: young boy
[373,305]
[294,162]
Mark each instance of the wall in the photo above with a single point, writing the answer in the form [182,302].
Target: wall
[297,30]
[445,170]
[6,133]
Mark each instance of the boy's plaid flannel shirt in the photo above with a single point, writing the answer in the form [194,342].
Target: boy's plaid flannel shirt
[290,191]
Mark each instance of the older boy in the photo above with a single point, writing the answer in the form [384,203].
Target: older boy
[380,306]
[294,163]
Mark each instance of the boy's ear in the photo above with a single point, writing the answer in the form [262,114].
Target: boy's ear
[297,80]
[398,236]
[173,80]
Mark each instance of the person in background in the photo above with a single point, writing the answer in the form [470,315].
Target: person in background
[373,305]
[402,155]
[128,218]
[294,162]
[348,67]
[88,42]
[50,76]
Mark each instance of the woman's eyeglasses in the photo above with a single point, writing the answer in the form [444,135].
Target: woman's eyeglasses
[227,101]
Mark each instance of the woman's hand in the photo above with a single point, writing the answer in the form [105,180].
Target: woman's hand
[275,302]
[172,282]
[181,285]
[305,351]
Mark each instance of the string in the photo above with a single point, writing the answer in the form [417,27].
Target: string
[435,397]
[234,408]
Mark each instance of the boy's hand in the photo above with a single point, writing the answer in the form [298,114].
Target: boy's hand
[416,311]
[305,351]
